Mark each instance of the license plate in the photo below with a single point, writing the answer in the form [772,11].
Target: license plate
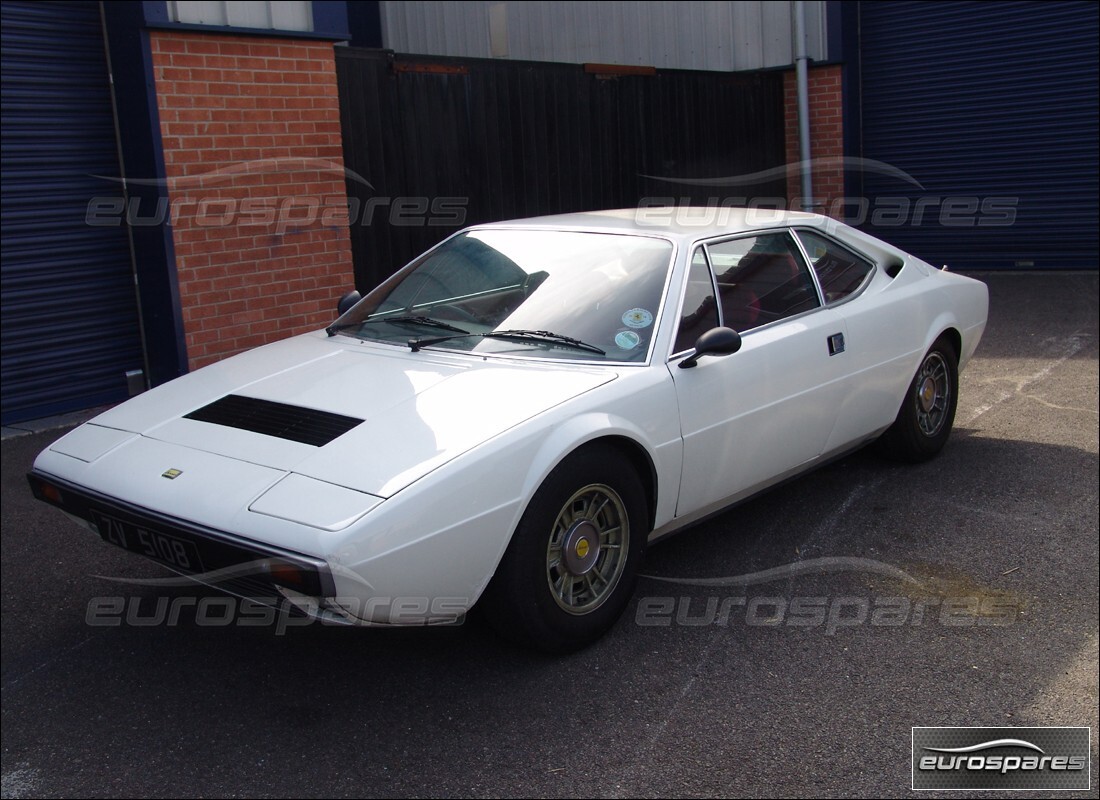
[154,544]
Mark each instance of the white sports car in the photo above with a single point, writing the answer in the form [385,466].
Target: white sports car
[513,416]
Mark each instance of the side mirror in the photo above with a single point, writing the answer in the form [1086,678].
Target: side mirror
[715,342]
[347,301]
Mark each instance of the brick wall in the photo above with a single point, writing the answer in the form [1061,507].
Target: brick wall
[251,138]
[826,138]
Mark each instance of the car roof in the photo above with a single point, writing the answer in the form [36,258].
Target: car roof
[683,223]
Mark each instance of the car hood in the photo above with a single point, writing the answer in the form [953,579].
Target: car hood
[418,410]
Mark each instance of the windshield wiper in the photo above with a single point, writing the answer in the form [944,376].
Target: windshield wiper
[535,337]
[426,322]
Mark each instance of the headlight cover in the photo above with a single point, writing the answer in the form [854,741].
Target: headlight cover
[315,503]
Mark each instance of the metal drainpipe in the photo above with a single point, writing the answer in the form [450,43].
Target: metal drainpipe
[801,62]
[137,381]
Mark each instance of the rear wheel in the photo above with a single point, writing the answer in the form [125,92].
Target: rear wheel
[570,568]
[927,413]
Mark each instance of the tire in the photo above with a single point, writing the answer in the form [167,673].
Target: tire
[927,413]
[571,566]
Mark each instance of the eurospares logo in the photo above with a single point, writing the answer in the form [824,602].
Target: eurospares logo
[1001,758]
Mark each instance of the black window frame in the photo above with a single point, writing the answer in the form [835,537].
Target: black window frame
[860,289]
[696,247]
[797,252]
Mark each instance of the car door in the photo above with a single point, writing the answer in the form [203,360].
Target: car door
[750,418]
[879,335]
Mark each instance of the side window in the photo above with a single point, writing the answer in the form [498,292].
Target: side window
[839,270]
[700,312]
[761,279]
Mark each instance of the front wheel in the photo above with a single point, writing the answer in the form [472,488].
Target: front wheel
[927,413]
[570,568]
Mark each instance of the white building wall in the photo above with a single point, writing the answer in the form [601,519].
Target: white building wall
[288,15]
[688,34]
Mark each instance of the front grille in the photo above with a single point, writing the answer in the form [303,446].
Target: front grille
[305,425]
[253,592]
[251,586]
[258,591]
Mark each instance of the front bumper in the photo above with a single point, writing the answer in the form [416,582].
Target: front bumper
[213,557]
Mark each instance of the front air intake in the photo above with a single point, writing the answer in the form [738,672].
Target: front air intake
[305,425]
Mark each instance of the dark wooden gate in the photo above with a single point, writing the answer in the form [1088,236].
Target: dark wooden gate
[434,144]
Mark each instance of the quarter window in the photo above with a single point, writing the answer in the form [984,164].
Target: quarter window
[700,311]
[839,271]
[761,279]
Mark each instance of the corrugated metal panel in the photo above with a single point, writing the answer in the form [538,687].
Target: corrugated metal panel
[494,139]
[979,101]
[689,34]
[70,325]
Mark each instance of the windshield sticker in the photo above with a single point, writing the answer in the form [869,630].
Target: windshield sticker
[627,340]
[637,318]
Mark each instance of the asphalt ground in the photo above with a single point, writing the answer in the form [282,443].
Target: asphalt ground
[801,686]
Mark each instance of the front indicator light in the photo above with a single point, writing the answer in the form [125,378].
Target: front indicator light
[288,575]
[43,490]
[51,493]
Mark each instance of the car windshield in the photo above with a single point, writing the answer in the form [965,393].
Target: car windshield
[542,293]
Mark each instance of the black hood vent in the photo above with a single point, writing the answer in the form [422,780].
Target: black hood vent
[305,425]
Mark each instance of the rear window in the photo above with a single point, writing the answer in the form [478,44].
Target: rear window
[839,271]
